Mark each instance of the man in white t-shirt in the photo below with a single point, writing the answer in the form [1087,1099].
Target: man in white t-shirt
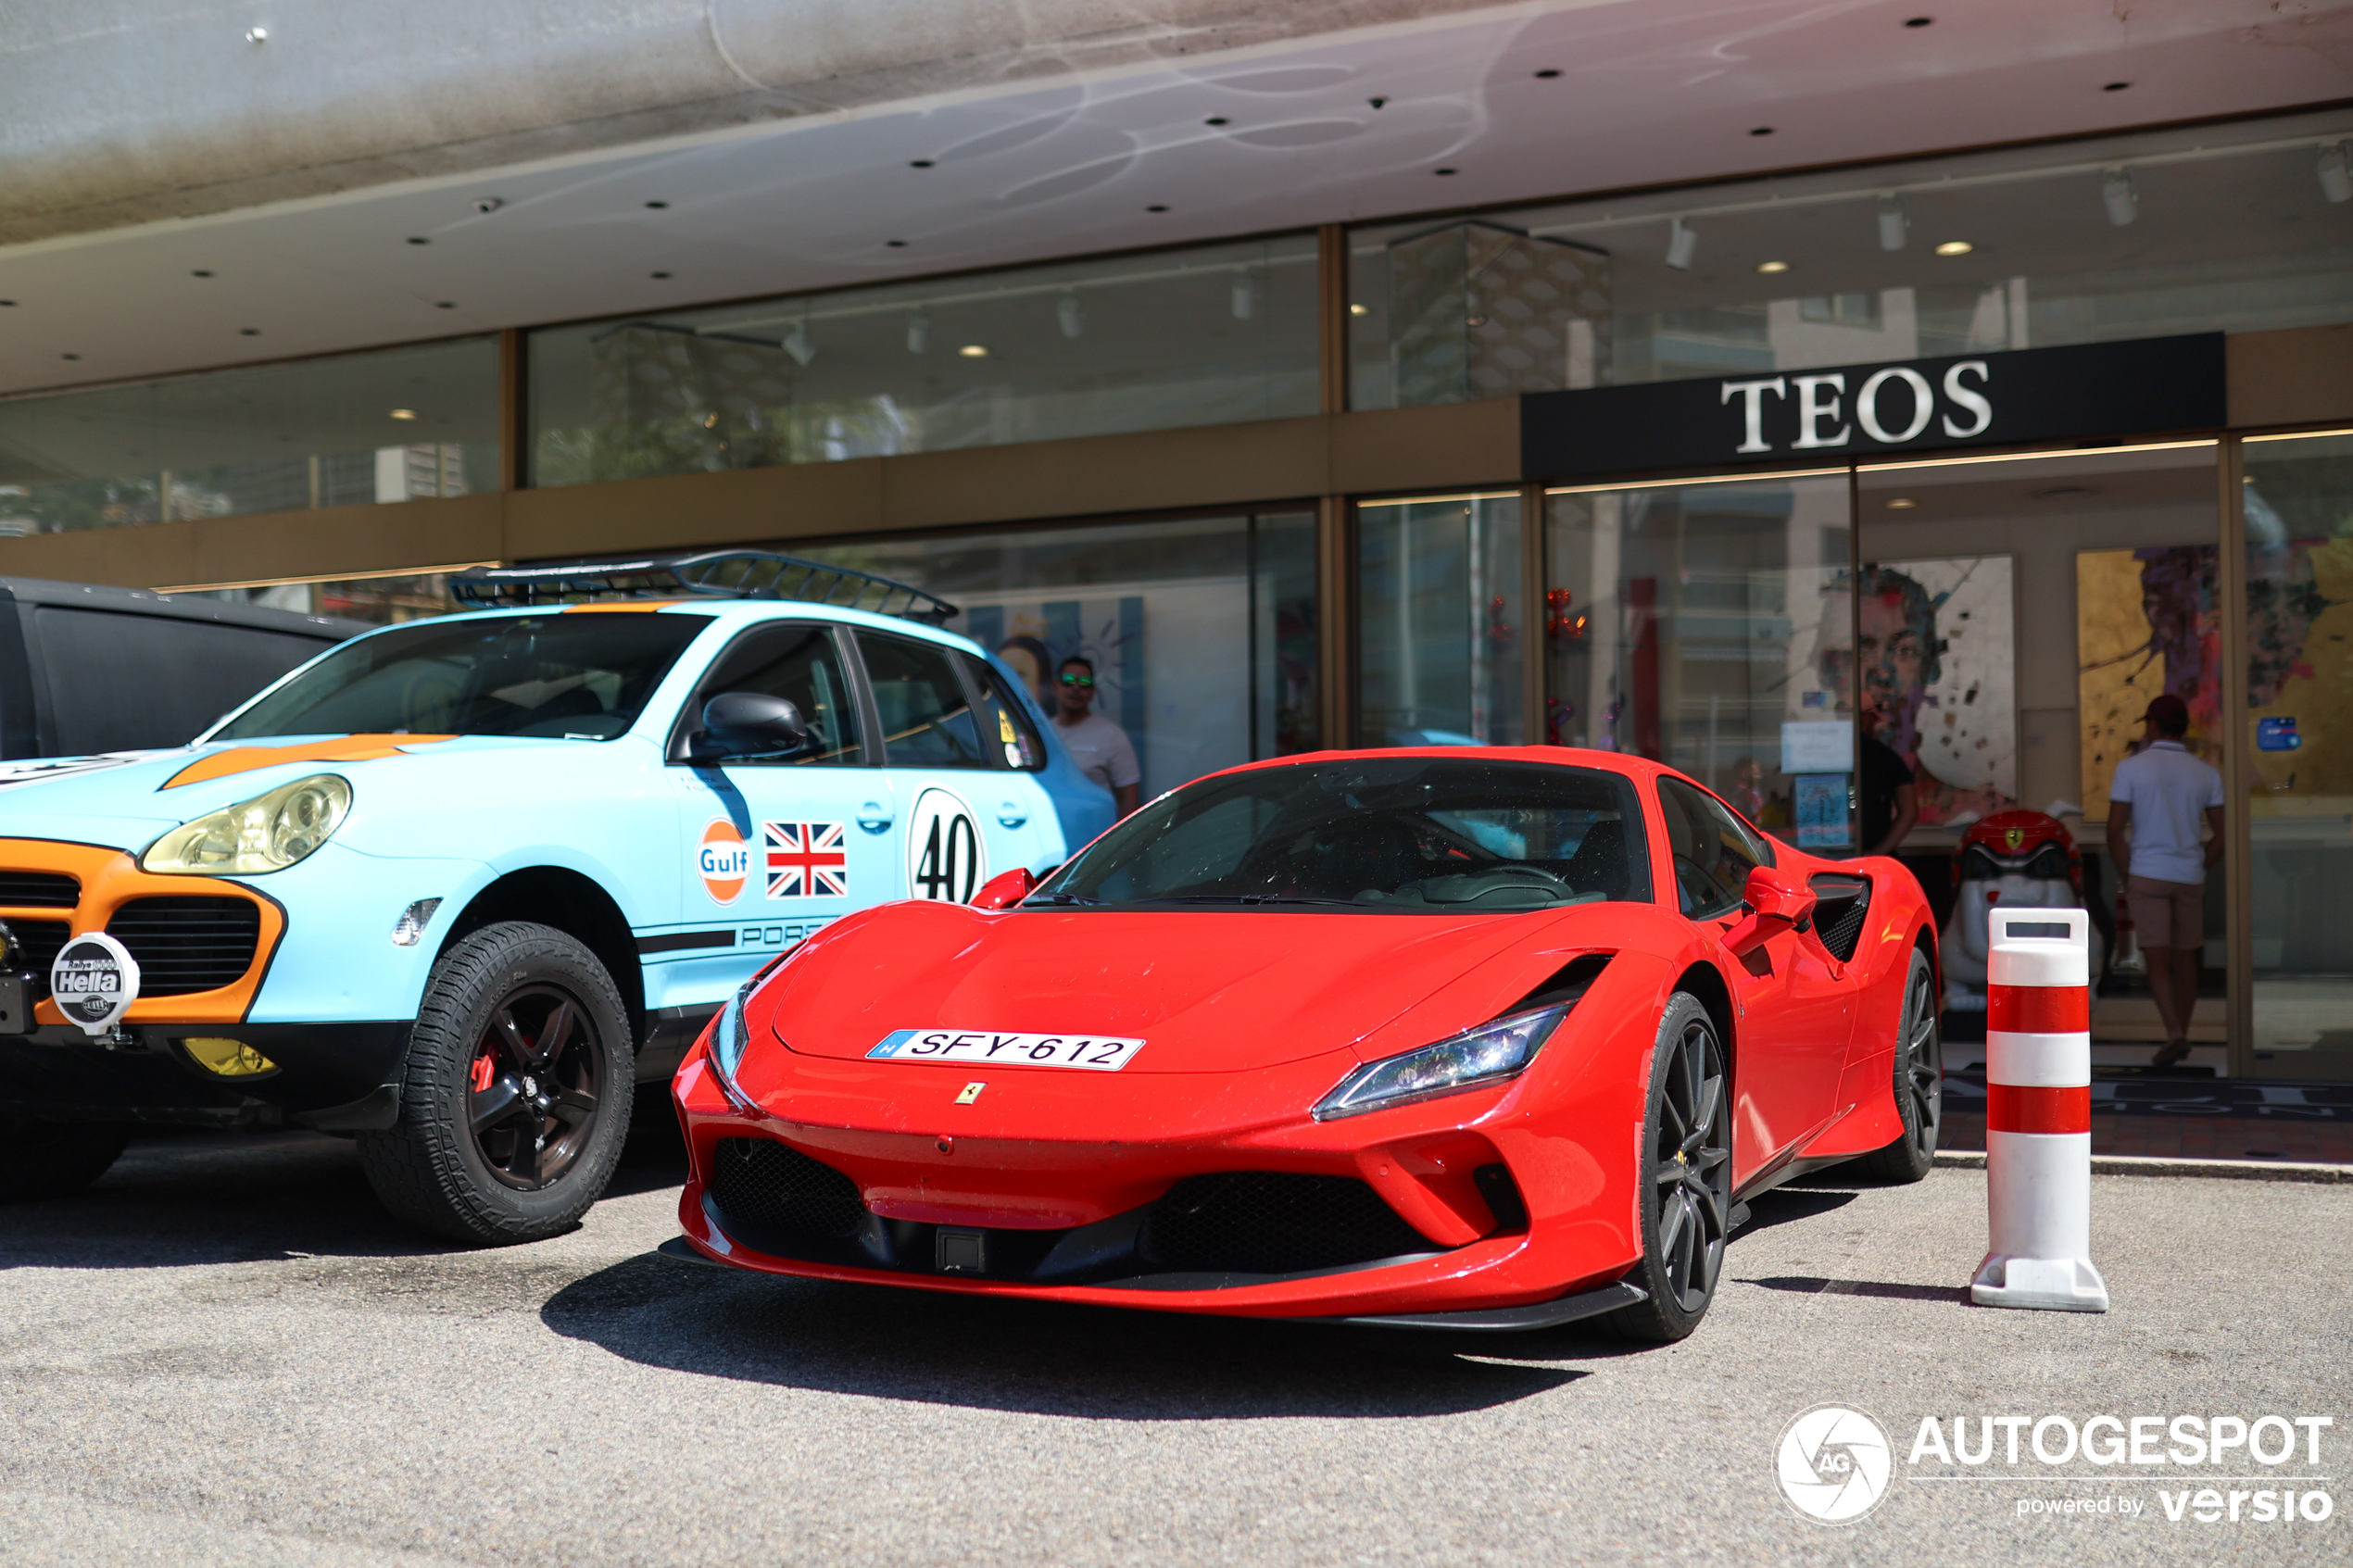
[2161,796]
[1100,747]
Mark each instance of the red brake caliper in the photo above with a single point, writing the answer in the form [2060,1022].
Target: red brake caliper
[483,1067]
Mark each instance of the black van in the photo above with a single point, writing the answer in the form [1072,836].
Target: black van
[85,670]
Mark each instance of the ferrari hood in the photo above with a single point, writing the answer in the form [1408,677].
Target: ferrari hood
[1207,991]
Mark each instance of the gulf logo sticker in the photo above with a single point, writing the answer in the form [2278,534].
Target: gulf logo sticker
[724,860]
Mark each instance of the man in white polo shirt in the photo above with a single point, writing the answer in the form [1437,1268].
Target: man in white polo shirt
[2161,795]
[1101,749]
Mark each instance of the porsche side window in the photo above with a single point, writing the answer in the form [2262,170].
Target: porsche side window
[1007,737]
[800,663]
[926,718]
[1713,852]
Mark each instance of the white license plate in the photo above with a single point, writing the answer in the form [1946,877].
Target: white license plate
[1098,1053]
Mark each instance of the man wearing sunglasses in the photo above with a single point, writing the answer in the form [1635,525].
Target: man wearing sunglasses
[1098,747]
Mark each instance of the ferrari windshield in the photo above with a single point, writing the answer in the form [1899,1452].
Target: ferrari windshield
[562,676]
[1387,835]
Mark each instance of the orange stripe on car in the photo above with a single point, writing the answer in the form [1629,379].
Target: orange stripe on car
[622,606]
[246,758]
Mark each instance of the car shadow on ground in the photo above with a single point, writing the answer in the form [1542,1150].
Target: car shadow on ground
[1042,1357]
[181,1197]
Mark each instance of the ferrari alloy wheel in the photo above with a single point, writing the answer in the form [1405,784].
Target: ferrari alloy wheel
[518,1092]
[1687,1177]
[55,1158]
[1920,1083]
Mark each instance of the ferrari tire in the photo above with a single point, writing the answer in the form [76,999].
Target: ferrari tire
[1686,1178]
[55,1158]
[516,1098]
[1918,1083]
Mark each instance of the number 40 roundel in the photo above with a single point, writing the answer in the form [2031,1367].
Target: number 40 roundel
[947,858]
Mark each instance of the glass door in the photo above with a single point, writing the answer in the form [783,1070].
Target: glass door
[2299,693]
[1707,624]
[1439,612]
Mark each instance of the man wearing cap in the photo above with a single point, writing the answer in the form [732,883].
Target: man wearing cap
[2154,806]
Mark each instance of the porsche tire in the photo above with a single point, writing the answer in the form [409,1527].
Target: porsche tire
[1686,1178]
[1918,1083]
[516,1098]
[55,1158]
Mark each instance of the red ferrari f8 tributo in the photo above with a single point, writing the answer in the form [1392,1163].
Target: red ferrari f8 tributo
[1479,1038]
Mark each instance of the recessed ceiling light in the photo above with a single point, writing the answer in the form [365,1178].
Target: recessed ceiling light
[1156,207]
[919,163]
[256,35]
[656,274]
[975,351]
[1772,267]
[1546,74]
[657,205]
[7,304]
[2116,87]
[1217,120]
[404,413]
[419,240]
[248,332]
[201,273]
[444,305]
[1762,130]
[1353,310]
[1954,247]
[1918,22]
[1901,504]
[895,245]
[68,355]
[489,205]
[1442,171]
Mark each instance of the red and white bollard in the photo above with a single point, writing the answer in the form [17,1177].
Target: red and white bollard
[2038,1114]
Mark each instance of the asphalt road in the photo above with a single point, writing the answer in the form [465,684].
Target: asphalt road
[224,1354]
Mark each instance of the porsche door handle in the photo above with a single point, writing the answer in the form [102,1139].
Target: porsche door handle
[872,818]
[1011,815]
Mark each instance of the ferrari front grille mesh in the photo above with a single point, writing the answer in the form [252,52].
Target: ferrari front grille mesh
[188,944]
[772,1197]
[1273,1221]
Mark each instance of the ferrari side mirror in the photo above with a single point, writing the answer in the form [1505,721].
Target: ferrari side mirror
[1004,891]
[1777,902]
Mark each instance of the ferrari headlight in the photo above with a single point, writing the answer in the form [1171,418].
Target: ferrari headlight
[267,833]
[1489,1054]
[729,1034]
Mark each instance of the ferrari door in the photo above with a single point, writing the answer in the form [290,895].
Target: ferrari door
[1791,1032]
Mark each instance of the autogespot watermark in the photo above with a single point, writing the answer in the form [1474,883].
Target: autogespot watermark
[1835,1466]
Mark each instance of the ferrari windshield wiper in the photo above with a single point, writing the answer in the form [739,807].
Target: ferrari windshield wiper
[1255,898]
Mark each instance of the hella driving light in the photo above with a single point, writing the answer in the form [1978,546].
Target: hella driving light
[1487,1054]
[267,833]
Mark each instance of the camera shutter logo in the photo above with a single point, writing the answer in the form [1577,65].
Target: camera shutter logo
[93,982]
[1834,1465]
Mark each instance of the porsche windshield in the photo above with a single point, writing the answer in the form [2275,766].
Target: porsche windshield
[1386,835]
[564,677]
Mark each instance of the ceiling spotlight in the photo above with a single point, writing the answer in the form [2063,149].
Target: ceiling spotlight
[1682,244]
[1245,295]
[656,274]
[894,244]
[1360,310]
[1442,171]
[1546,74]
[2116,86]
[975,351]
[487,205]
[201,273]
[797,344]
[404,413]
[1772,267]
[1376,102]
[1918,22]
[2337,173]
[2117,194]
[419,240]
[918,333]
[1070,313]
[1762,130]
[445,305]
[1217,120]
[248,332]
[1901,504]
[657,205]
[1156,207]
[1894,227]
[1954,247]
[256,35]
[919,163]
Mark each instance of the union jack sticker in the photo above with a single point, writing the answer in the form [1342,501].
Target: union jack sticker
[805,860]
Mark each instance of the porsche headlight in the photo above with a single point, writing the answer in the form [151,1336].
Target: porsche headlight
[1489,1054]
[267,833]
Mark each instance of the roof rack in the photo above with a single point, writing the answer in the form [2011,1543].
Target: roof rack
[724,574]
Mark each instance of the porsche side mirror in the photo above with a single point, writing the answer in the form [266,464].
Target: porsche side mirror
[1002,892]
[1777,902]
[748,724]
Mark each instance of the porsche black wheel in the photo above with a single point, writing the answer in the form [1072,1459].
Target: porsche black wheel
[55,1158]
[1687,1177]
[518,1092]
[1920,1083]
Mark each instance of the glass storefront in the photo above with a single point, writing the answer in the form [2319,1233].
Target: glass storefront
[395,425]
[1706,625]
[1201,631]
[1441,646]
[2217,228]
[1209,335]
[2298,493]
[385,599]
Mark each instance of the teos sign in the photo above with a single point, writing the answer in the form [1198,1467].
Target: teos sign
[2083,391]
